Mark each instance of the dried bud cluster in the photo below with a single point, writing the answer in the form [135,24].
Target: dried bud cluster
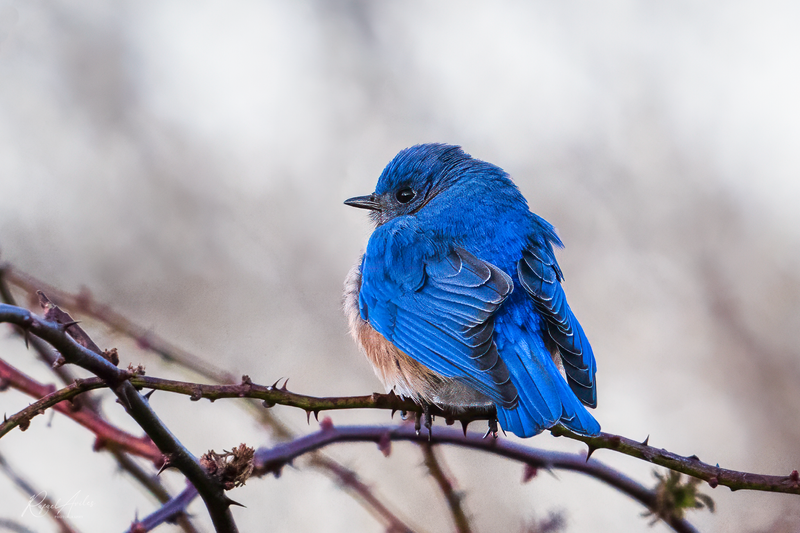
[230,468]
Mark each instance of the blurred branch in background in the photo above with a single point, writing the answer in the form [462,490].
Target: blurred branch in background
[677,495]
[117,442]
[272,395]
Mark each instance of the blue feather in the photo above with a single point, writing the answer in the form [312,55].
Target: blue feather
[462,277]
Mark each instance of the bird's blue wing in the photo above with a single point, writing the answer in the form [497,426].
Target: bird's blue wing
[436,303]
[541,277]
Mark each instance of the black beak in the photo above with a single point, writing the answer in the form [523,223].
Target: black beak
[364,202]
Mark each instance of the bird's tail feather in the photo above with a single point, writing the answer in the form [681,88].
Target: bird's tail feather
[545,397]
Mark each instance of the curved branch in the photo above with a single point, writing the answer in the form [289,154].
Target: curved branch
[217,503]
[272,395]
[269,460]
[105,432]
[148,340]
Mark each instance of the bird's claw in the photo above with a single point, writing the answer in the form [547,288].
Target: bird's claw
[425,418]
[492,428]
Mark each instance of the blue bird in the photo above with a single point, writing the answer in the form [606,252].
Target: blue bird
[457,299]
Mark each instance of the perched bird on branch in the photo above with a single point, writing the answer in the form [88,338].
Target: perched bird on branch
[457,300]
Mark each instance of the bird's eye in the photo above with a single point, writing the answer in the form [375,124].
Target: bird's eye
[405,195]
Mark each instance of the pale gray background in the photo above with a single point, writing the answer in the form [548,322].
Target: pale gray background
[187,162]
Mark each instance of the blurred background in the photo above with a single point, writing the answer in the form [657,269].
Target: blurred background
[186,162]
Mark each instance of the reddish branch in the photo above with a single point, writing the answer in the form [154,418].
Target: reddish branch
[217,503]
[272,394]
[60,401]
[168,351]
[91,408]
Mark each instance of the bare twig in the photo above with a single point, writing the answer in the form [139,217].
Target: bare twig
[446,486]
[269,460]
[48,356]
[105,432]
[692,466]
[271,394]
[169,352]
[175,507]
[350,481]
[84,303]
[217,503]
[38,498]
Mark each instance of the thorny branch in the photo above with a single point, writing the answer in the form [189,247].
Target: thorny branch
[272,460]
[217,503]
[273,395]
[49,357]
[149,340]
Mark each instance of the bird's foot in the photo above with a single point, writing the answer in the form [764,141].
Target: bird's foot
[424,419]
[492,428]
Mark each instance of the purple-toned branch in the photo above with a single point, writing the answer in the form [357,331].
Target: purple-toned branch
[272,395]
[171,510]
[148,340]
[269,460]
[217,503]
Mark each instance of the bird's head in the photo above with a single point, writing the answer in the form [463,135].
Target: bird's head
[418,175]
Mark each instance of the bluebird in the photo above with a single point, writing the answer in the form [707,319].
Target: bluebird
[457,299]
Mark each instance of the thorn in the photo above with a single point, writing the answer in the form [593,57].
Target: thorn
[393,412]
[464,424]
[646,441]
[385,444]
[25,336]
[417,422]
[316,415]
[284,385]
[233,502]
[64,325]
[695,458]
[590,451]
[123,401]
[166,464]
[308,417]
[529,473]
[274,385]
[147,396]
[99,444]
